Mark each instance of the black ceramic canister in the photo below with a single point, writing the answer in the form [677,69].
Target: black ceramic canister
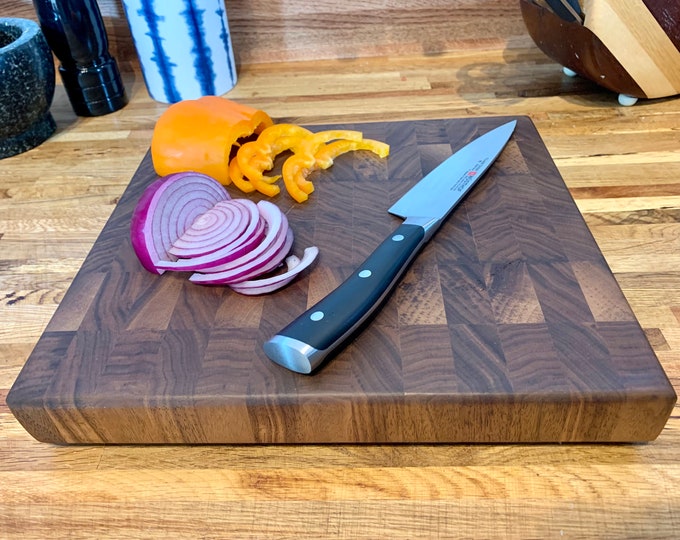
[75,32]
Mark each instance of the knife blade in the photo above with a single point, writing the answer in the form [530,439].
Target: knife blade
[305,343]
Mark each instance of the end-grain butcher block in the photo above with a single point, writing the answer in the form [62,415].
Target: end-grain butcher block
[508,327]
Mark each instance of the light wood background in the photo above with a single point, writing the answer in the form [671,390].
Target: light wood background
[275,30]
[622,165]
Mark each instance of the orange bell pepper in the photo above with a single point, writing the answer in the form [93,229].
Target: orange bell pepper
[198,135]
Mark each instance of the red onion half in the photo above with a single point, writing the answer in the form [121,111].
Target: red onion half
[187,222]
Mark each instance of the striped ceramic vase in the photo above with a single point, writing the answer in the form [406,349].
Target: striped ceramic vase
[184,47]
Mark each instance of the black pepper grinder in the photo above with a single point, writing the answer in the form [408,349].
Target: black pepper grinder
[75,32]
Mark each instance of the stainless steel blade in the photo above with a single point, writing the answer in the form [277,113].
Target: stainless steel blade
[439,192]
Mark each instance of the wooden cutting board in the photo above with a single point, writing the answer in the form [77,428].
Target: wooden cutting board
[509,327]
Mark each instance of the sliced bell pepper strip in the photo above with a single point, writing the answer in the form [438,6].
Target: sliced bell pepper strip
[251,165]
[265,188]
[279,137]
[295,170]
[257,156]
[236,176]
[303,162]
[297,167]
[310,145]
[198,135]
[254,181]
[326,154]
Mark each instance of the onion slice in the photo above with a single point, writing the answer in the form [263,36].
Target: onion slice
[221,225]
[251,238]
[252,262]
[268,261]
[166,209]
[270,284]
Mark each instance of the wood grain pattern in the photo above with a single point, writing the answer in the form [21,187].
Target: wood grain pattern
[622,167]
[265,31]
[530,338]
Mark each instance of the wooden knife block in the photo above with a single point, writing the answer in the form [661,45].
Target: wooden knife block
[631,47]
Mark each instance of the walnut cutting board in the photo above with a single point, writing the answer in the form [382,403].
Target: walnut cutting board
[509,326]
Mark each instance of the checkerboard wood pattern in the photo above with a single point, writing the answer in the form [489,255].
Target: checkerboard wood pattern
[509,326]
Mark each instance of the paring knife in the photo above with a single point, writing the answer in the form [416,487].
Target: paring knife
[303,345]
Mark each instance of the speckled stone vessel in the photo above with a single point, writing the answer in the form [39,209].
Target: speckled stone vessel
[27,79]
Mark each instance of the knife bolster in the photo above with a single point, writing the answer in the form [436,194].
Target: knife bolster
[293,354]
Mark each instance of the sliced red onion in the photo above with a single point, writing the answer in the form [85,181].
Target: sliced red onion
[225,225]
[187,222]
[219,226]
[272,258]
[242,267]
[250,240]
[270,284]
[269,260]
[166,209]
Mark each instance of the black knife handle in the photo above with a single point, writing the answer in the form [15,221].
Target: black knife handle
[304,344]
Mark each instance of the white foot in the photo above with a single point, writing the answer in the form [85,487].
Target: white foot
[627,100]
[568,72]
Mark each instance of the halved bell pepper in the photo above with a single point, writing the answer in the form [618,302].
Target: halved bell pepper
[198,135]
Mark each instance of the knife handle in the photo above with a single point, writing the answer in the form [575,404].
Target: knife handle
[308,340]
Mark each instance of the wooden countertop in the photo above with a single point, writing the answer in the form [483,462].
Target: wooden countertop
[622,166]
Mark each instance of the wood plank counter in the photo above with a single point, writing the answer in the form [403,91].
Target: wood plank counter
[622,166]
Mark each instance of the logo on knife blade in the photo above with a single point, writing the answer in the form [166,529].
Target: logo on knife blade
[464,181]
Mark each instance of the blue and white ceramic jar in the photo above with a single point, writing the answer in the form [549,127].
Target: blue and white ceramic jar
[184,47]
